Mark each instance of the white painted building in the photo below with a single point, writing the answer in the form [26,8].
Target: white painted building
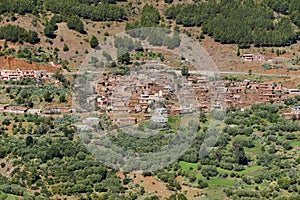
[296,110]
[161,111]
[159,119]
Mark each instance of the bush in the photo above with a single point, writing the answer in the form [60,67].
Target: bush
[202,184]
[66,48]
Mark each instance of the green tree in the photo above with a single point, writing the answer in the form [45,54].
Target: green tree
[75,23]
[185,71]
[94,42]
[150,16]
[66,48]
[49,30]
[239,154]
[48,97]
[123,56]
[29,140]
[62,98]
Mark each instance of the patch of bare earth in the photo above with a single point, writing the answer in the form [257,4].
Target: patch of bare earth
[5,171]
[152,185]
[14,63]
[191,193]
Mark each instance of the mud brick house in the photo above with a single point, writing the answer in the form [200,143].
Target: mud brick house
[34,111]
[19,74]
[294,92]
[161,111]
[248,57]
[16,109]
[159,119]
[124,121]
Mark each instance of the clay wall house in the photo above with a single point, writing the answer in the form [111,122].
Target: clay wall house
[145,99]
[293,92]
[259,58]
[19,74]
[159,119]
[101,101]
[124,121]
[173,110]
[137,108]
[161,111]
[120,109]
[155,88]
[204,107]
[65,110]
[34,111]
[16,109]
[186,109]
[247,57]
[50,111]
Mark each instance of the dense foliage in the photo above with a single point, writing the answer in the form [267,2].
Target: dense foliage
[15,33]
[51,165]
[75,23]
[94,42]
[18,6]
[286,7]
[99,12]
[235,22]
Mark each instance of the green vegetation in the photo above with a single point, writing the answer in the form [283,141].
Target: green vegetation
[75,23]
[32,96]
[84,9]
[268,67]
[18,6]
[292,69]
[256,156]
[15,33]
[94,42]
[257,148]
[150,17]
[222,20]
[187,166]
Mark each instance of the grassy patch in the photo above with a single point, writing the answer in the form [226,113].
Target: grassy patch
[295,144]
[214,193]
[251,169]
[248,170]
[222,171]
[255,149]
[171,120]
[223,182]
[186,165]
[7,196]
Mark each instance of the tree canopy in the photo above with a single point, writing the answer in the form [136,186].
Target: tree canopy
[244,23]
[16,33]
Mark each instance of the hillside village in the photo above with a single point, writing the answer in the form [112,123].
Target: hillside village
[134,101]
[209,95]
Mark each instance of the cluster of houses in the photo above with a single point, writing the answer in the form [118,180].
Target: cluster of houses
[249,57]
[7,108]
[139,99]
[20,74]
[127,101]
